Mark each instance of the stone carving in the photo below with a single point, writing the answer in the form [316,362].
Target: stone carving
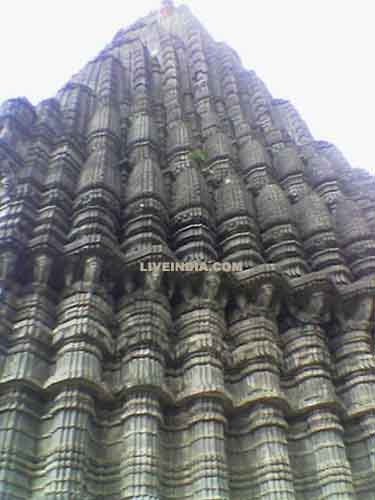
[8,181]
[120,381]
[355,374]
[255,164]
[238,234]
[309,383]
[355,237]
[279,234]
[145,214]
[289,119]
[321,175]
[17,116]
[315,226]
[192,217]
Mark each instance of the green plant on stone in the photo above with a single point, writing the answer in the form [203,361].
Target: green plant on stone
[199,156]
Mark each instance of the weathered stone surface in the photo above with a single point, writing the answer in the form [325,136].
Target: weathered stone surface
[121,384]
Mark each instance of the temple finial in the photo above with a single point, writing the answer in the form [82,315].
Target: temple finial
[167,7]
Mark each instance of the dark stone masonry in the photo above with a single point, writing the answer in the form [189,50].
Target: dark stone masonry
[122,384]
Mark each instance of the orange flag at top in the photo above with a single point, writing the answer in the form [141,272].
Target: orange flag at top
[166,8]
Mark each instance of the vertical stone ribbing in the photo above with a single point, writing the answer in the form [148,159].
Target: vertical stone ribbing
[170,79]
[319,458]
[141,447]
[19,419]
[27,360]
[64,446]
[65,161]
[97,202]
[355,238]
[316,434]
[311,216]
[192,217]
[122,384]
[26,367]
[199,329]
[238,234]
[81,340]
[230,90]
[19,194]
[144,322]
[257,432]
[351,346]
[145,214]
[279,234]
[288,118]
[321,175]
[255,164]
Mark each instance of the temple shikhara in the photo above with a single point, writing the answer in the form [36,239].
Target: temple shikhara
[116,383]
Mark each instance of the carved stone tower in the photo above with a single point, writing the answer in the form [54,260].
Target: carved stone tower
[120,384]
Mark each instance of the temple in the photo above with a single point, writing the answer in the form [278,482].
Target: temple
[119,384]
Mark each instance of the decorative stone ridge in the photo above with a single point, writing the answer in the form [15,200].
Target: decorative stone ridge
[121,381]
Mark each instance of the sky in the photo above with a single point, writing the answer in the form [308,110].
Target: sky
[317,54]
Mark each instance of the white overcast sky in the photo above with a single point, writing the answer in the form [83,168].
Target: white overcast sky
[317,53]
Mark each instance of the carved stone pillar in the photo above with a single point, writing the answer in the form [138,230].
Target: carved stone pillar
[318,456]
[171,79]
[352,348]
[19,420]
[199,350]
[257,430]
[280,236]
[321,175]
[315,226]
[144,323]
[97,202]
[311,216]
[355,238]
[140,463]
[28,357]
[82,339]
[8,297]
[76,101]
[145,214]
[316,433]
[17,117]
[258,454]
[229,67]
[255,164]
[22,175]
[142,139]
[65,446]
[52,220]
[192,216]
[260,100]
[26,367]
[209,468]
[238,232]
[140,79]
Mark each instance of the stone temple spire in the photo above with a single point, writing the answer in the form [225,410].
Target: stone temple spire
[120,380]
[166,7]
